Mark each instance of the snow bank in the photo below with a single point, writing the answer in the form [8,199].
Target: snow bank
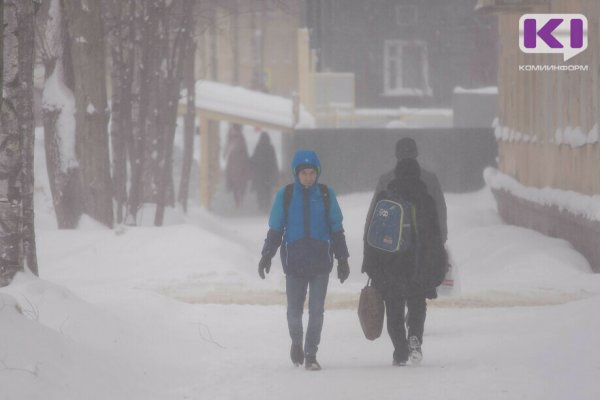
[572,136]
[491,90]
[55,346]
[573,202]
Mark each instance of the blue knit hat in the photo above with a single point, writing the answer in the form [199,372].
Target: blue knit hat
[305,159]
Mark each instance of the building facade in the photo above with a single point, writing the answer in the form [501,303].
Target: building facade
[404,52]
[547,127]
[250,43]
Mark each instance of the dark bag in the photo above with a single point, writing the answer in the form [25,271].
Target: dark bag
[392,224]
[370,311]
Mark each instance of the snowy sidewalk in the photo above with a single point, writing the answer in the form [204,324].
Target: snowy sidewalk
[104,321]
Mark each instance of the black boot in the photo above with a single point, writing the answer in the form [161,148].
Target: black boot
[297,354]
[400,357]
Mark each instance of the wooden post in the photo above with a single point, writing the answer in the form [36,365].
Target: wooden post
[305,75]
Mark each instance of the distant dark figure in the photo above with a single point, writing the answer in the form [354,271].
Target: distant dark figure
[265,171]
[237,164]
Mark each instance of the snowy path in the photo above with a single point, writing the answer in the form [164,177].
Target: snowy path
[105,323]
[500,354]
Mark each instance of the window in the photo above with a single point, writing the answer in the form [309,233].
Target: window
[406,71]
[406,15]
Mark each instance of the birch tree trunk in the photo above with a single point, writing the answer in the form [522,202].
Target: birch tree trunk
[11,254]
[26,37]
[17,234]
[83,20]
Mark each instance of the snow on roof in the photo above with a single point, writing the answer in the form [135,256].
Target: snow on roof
[244,103]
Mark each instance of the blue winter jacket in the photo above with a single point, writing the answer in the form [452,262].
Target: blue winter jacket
[308,242]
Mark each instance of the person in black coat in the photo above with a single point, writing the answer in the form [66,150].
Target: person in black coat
[265,171]
[237,171]
[407,279]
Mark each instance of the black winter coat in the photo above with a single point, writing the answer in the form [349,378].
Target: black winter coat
[419,271]
[265,171]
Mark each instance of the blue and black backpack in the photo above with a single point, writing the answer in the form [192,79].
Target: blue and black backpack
[393,227]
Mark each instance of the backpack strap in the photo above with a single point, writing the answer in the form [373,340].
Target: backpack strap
[414,218]
[287,199]
[325,196]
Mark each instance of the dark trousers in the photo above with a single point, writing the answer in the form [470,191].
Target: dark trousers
[395,307]
[296,288]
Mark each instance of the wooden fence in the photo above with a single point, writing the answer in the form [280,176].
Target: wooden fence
[539,104]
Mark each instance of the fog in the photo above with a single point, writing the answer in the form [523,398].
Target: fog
[143,144]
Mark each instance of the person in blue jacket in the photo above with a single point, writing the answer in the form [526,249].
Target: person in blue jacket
[306,221]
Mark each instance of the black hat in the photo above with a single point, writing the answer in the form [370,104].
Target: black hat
[406,148]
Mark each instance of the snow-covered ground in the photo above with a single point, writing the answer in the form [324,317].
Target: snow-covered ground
[179,313]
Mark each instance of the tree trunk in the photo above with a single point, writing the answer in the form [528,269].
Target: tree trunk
[59,124]
[157,119]
[62,173]
[119,151]
[147,24]
[1,50]
[121,38]
[188,127]
[86,39]
[17,235]
[26,21]
[11,254]
[178,48]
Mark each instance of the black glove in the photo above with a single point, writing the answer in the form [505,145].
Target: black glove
[264,265]
[343,269]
